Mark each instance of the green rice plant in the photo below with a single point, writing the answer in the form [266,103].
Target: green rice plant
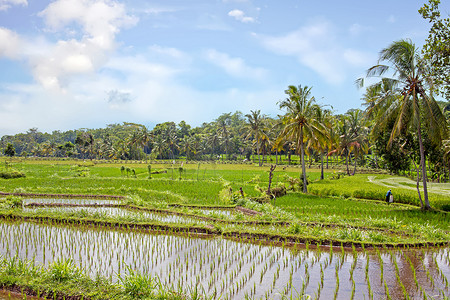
[62,270]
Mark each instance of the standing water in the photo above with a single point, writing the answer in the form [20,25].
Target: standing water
[231,269]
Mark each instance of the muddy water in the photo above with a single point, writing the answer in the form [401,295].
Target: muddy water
[7,295]
[69,201]
[140,216]
[233,269]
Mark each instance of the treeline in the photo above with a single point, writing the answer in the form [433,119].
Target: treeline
[235,136]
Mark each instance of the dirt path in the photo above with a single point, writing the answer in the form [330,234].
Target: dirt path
[408,184]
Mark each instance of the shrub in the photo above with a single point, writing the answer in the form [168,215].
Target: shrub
[11,174]
[63,270]
[136,285]
[11,202]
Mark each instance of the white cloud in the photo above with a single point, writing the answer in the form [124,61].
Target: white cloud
[157,10]
[139,67]
[358,58]
[10,43]
[212,22]
[6,4]
[145,91]
[100,21]
[317,47]
[169,51]
[357,29]
[240,16]
[234,66]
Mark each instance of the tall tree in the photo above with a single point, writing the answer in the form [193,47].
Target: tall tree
[255,128]
[300,120]
[409,77]
[437,46]
[10,151]
[223,129]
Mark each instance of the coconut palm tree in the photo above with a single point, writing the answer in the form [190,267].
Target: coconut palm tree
[255,128]
[186,146]
[406,74]
[159,146]
[170,139]
[223,130]
[322,145]
[358,129]
[299,121]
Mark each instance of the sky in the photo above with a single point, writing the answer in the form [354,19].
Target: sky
[70,64]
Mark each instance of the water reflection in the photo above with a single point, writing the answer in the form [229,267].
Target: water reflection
[235,269]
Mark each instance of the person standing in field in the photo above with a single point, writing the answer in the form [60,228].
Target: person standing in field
[389,197]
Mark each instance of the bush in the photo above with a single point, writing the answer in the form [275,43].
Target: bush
[446,207]
[11,174]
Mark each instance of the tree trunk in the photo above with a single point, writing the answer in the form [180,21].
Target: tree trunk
[354,170]
[346,161]
[321,166]
[417,184]
[424,169]
[257,150]
[305,187]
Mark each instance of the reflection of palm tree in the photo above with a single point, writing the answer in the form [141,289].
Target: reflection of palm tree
[410,80]
[299,120]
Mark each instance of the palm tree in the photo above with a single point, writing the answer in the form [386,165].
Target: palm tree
[322,145]
[158,147]
[144,138]
[256,129]
[299,120]
[446,144]
[170,139]
[213,142]
[186,145]
[223,123]
[414,105]
[358,133]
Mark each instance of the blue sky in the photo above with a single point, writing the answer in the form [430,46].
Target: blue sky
[69,64]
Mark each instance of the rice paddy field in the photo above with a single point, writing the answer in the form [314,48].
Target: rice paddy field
[185,231]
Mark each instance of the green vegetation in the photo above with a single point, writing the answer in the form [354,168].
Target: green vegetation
[63,279]
[222,210]
[321,219]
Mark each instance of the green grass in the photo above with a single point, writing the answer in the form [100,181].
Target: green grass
[63,279]
[374,187]
[209,184]
[429,225]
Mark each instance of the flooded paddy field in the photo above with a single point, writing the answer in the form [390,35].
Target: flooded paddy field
[233,269]
[27,201]
[115,212]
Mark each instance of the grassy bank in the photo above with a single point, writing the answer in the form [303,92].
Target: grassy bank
[374,187]
[62,279]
